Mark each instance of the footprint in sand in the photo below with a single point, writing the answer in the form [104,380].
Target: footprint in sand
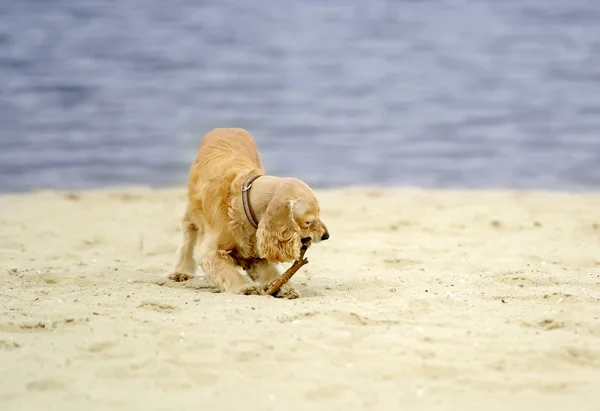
[45,385]
[8,345]
[159,307]
[101,346]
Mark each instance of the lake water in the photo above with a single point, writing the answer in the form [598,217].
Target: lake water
[451,93]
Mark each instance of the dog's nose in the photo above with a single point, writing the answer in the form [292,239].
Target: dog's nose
[325,236]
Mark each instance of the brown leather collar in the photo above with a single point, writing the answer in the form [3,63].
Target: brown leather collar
[246,200]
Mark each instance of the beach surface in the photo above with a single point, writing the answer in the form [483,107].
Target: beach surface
[421,299]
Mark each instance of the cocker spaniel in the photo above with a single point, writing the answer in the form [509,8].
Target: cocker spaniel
[240,217]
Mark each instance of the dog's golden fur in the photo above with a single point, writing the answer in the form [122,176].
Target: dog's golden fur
[286,208]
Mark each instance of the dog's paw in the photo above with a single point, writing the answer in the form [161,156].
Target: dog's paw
[179,277]
[288,292]
[250,289]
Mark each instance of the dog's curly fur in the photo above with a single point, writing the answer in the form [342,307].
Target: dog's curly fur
[286,208]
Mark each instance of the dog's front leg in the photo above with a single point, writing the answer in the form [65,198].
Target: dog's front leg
[220,269]
[184,266]
[265,272]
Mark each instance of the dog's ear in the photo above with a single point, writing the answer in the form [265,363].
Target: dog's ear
[277,238]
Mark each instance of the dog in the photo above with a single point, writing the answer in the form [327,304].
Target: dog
[236,216]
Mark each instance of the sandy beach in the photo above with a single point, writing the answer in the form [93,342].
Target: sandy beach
[421,300]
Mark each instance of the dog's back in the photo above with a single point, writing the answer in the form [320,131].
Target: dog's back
[225,150]
[225,158]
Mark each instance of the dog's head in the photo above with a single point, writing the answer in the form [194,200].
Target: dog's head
[292,218]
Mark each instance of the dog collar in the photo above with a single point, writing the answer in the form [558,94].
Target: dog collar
[246,200]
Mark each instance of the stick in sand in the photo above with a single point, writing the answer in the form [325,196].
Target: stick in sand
[276,284]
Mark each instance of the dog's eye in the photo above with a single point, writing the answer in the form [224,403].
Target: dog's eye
[308,223]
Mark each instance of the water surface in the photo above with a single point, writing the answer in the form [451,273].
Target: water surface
[451,93]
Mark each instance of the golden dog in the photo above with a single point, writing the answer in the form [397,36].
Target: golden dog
[242,218]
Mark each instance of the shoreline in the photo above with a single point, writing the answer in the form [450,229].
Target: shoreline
[318,189]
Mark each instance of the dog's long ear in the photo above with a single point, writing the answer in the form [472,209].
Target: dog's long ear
[277,237]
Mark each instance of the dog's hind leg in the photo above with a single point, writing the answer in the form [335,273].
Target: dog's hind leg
[219,268]
[185,267]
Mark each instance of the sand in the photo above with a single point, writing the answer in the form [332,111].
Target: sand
[424,300]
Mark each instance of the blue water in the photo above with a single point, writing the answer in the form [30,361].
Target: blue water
[448,93]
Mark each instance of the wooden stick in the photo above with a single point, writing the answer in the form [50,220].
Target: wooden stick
[276,284]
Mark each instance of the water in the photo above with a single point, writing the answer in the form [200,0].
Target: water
[451,93]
